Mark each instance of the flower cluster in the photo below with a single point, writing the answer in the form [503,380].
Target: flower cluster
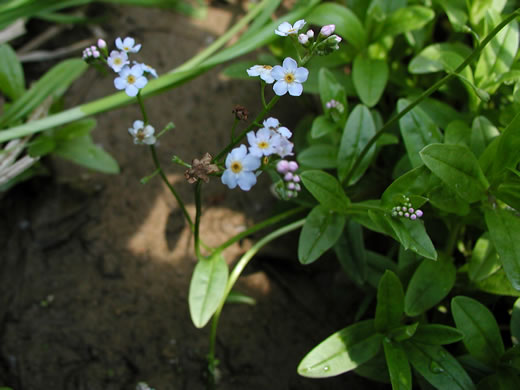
[131,77]
[286,78]
[335,105]
[406,210]
[291,181]
[242,163]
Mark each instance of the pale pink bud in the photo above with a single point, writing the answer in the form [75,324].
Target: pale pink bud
[101,43]
[337,38]
[310,34]
[327,30]
[282,166]
[296,179]
[288,176]
[413,217]
[297,187]
[290,186]
[303,39]
[419,213]
[293,166]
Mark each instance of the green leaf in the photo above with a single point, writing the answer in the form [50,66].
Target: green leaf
[377,265]
[412,235]
[438,57]
[413,182]
[482,133]
[503,228]
[481,334]
[457,133]
[509,191]
[207,288]
[407,19]
[320,156]
[458,167]
[403,332]
[398,365]
[498,56]
[484,260]
[320,232]
[497,284]
[431,282]
[417,130]
[12,81]
[330,88]
[390,303]
[360,128]
[456,12]
[348,26]
[436,334]
[83,151]
[238,297]
[375,369]
[515,322]
[350,251]
[508,145]
[51,83]
[322,126]
[504,379]
[343,351]
[438,366]
[326,189]
[369,77]
[41,146]
[444,198]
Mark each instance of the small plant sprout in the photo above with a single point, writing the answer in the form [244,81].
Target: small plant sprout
[131,80]
[289,78]
[286,29]
[143,135]
[127,45]
[264,71]
[240,167]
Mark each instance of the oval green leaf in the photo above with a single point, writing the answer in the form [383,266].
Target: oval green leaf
[398,365]
[326,189]
[390,303]
[207,288]
[369,77]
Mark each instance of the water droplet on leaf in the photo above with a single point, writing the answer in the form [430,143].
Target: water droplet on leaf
[435,368]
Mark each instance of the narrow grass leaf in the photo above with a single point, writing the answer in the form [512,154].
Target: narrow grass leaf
[12,80]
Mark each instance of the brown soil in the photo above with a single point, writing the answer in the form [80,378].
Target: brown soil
[95,268]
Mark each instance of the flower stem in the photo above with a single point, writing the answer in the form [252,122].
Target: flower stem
[170,187]
[259,118]
[196,241]
[233,277]
[429,91]
[235,123]
[143,109]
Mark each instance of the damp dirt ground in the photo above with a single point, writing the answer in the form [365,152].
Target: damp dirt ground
[95,268]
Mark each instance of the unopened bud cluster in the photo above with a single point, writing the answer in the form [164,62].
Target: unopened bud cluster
[292,181]
[406,211]
[91,52]
[334,104]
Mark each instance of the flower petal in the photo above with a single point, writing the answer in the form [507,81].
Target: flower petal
[251,162]
[131,90]
[229,178]
[120,83]
[299,24]
[295,89]
[119,44]
[251,138]
[246,180]
[149,140]
[277,72]
[290,65]
[136,48]
[138,124]
[128,42]
[141,82]
[301,74]
[280,88]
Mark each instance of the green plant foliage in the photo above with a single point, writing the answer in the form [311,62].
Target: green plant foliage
[436,334]
[390,303]
[351,253]
[326,189]
[429,285]
[398,365]
[481,334]
[321,231]
[207,288]
[12,80]
[369,77]
[342,351]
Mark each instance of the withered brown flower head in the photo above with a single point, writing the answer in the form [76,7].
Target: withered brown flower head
[200,169]
[240,112]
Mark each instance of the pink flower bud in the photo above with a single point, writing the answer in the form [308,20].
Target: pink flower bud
[413,217]
[419,213]
[296,179]
[337,38]
[310,34]
[303,39]
[293,166]
[327,30]
[297,187]
[290,185]
[288,176]
[282,166]
[101,43]
[411,210]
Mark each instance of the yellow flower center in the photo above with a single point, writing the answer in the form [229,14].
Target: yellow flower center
[130,79]
[117,61]
[140,134]
[263,144]
[267,67]
[289,78]
[126,48]
[236,167]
